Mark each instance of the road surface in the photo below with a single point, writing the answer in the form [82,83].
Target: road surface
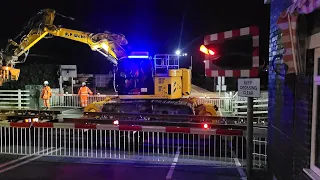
[142,168]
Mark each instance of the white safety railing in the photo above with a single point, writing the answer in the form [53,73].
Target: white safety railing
[227,105]
[260,107]
[18,99]
[224,103]
[73,100]
[218,146]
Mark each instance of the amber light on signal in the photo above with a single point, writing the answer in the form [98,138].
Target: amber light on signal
[205,50]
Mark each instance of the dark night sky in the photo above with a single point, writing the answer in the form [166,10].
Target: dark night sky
[150,25]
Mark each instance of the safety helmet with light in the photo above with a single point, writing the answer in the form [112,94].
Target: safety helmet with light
[45,82]
[83,84]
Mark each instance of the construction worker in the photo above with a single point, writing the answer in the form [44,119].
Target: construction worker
[84,92]
[46,95]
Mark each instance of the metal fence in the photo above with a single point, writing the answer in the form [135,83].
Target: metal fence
[260,105]
[228,105]
[14,99]
[73,100]
[218,146]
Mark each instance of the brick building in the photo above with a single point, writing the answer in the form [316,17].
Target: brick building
[293,99]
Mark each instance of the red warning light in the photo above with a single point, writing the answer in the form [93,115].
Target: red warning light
[207,51]
[205,126]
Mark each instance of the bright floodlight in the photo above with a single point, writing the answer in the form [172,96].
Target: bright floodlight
[178,52]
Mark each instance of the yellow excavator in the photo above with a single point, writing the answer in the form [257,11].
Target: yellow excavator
[144,84]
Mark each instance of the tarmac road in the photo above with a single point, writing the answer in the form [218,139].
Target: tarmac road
[60,168]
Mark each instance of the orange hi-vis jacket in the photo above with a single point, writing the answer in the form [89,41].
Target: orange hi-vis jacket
[84,90]
[46,93]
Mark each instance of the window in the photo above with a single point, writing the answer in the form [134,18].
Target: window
[315,132]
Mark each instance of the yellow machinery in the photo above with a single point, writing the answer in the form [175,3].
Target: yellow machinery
[108,44]
[152,85]
[144,85]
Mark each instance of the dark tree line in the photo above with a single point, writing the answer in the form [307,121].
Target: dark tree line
[34,74]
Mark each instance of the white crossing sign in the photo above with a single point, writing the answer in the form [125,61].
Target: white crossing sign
[249,87]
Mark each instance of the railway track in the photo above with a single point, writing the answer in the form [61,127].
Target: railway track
[28,115]
[174,118]
[31,115]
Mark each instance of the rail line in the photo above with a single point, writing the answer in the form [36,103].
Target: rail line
[174,118]
[30,115]
[22,114]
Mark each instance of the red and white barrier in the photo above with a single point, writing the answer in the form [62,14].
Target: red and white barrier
[163,129]
[212,38]
[15,124]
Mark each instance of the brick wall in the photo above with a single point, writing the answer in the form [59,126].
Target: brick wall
[290,105]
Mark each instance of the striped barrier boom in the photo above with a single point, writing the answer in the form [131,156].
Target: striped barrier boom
[162,129]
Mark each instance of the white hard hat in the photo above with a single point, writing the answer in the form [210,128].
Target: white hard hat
[46,82]
[83,83]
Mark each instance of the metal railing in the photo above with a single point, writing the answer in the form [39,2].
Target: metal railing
[217,146]
[227,105]
[14,99]
[224,103]
[73,100]
[260,107]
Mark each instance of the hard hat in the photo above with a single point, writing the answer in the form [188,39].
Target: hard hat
[83,83]
[45,82]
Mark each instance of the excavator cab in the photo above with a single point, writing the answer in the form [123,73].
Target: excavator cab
[152,78]
[134,75]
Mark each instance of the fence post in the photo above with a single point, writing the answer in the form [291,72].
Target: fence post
[19,98]
[234,110]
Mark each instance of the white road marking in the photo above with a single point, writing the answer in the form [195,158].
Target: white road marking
[238,165]
[240,170]
[24,157]
[27,161]
[173,165]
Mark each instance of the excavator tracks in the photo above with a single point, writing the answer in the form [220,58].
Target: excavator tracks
[172,107]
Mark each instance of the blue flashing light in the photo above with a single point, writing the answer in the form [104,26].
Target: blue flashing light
[142,57]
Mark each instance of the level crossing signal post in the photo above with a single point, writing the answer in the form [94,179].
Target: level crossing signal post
[242,44]
[250,88]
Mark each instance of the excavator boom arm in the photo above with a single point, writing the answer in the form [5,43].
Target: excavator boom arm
[29,41]
[108,44]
